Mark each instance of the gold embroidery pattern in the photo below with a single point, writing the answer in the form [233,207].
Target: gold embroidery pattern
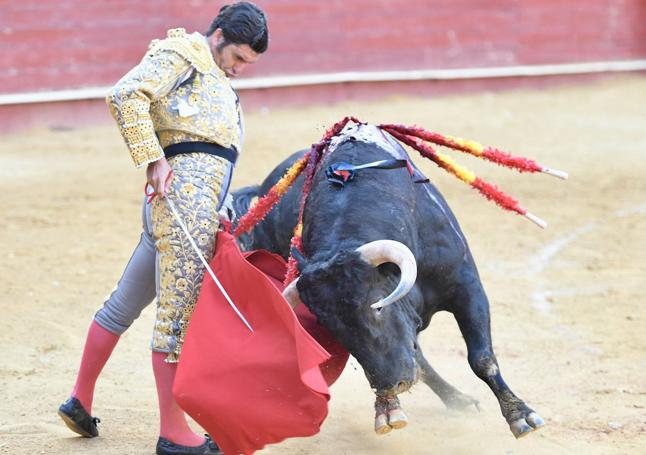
[130,101]
[216,117]
[192,47]
[195,190]
[178,92]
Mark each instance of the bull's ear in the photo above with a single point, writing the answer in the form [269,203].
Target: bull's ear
[300,259]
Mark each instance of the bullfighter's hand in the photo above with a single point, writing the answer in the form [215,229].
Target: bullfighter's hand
[159,175]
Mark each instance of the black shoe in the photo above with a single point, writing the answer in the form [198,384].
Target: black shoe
[77,419]
[212,445]
[166,447]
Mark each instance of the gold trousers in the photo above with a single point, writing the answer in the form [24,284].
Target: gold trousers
[196,190]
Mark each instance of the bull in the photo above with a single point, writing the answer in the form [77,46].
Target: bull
[383,254]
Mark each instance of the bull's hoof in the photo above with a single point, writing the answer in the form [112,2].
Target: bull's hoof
[535,420]
[397,418]
[381,424]
[522,427]
[388,415]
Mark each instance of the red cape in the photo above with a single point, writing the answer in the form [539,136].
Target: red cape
[251,389]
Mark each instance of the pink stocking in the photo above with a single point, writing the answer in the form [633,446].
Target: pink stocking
[172,421]
[98,347]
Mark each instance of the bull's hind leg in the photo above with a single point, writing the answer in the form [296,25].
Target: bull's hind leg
[450,396]
[472,315]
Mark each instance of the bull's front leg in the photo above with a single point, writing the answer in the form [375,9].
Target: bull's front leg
[471,311]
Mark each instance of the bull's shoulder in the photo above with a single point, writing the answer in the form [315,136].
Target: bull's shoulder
[441,239]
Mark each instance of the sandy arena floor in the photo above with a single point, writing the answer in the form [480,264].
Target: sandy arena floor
[567,303]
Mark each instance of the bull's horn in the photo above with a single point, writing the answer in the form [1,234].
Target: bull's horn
[382,251]
[291,294]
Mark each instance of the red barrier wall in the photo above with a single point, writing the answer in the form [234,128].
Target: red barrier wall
[63,44]
[79,43]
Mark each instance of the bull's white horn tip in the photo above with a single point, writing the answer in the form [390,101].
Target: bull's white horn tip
[378,305]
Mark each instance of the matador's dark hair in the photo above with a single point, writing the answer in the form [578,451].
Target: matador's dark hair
[242,23]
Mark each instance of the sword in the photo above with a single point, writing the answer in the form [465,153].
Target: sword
[171,205]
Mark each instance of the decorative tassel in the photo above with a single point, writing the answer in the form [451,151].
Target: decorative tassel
[488,190]
[292,264]
[492,154]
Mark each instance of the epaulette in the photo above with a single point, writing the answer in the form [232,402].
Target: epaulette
[192,47]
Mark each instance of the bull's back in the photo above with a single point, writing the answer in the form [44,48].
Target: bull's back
[377,204]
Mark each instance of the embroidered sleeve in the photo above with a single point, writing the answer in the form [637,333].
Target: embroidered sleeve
[129,101]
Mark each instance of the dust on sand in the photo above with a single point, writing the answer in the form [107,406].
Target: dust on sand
[567,302]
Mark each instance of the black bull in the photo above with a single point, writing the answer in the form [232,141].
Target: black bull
[338,286]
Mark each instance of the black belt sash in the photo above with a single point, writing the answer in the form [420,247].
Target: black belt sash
[228,153]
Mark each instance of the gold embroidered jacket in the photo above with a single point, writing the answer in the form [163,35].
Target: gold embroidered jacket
[175,94]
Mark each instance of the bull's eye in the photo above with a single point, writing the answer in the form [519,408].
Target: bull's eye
[414,345]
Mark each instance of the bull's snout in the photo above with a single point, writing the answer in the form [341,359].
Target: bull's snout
[396,380]
[401,387]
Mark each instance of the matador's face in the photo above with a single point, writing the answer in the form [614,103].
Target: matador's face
[231,58]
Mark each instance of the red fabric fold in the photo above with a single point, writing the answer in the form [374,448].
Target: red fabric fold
[274,267]
[251,389]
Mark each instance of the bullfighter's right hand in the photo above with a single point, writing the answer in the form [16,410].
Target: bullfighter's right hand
[159,175]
